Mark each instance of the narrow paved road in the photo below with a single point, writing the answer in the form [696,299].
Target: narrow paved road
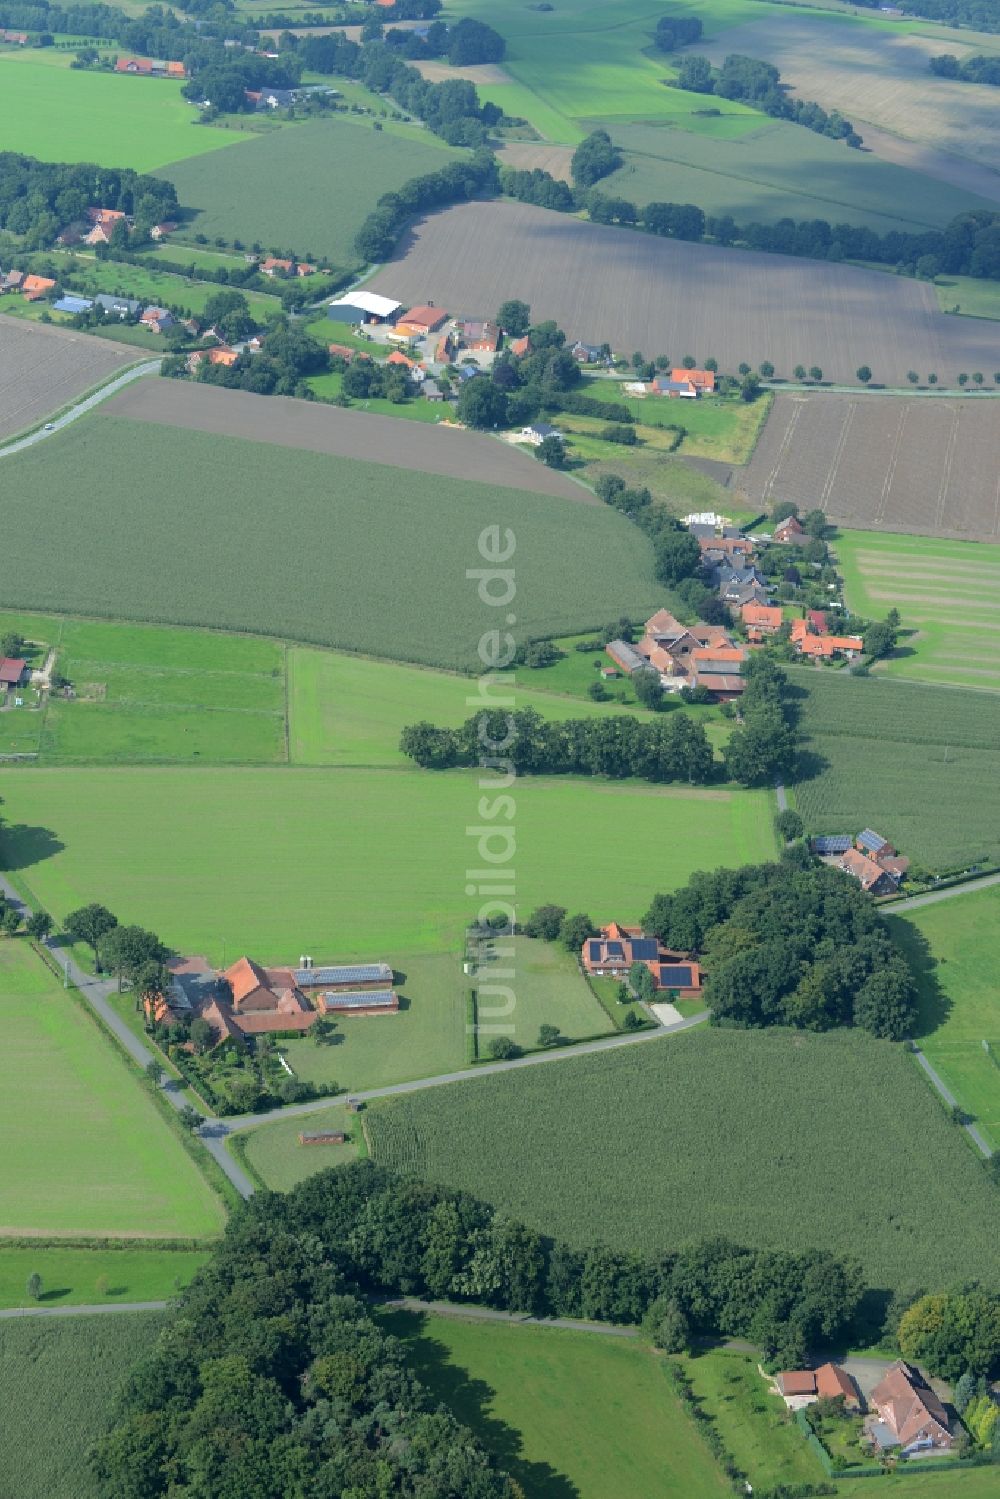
[97,992]
[913,902]
[151,367]
[782,795]
[938,1082]
[488,1069]
[85,1311]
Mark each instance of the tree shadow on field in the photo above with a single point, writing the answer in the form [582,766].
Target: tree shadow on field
[24,846]
[809,764]
[469,1401]
[933,1005]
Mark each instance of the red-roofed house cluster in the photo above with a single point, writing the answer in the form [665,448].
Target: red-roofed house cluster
[247,1000]
[697,655]
[869,858]
[612,954]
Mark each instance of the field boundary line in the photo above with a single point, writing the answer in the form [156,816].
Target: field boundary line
[949,458]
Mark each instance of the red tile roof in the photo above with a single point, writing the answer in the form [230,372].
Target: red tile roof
[425,318]
[833,1381]
[700,379]
[11,670]
[244,977]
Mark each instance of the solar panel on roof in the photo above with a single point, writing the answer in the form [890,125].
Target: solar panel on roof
[344,999]
[676,976]
[615,950]
[834,843]
[595,952]
[361,973]
[643,948]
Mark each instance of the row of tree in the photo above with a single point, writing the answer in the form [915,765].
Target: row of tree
[759,84]
[39,198]
[968,245]
[664,749]
[796,943]
[456,183]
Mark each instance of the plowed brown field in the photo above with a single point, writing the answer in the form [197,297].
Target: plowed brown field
[43,368]
[928,466]
[637,291]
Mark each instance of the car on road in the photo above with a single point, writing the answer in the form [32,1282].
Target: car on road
[49,427]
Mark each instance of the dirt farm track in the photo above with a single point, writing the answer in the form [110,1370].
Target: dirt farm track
[636,291]
[925,465]
[43,368]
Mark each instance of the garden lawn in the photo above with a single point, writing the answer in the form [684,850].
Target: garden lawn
[921,764]
[58,1381]
[274,1152]
[565,1413]
[86,1277]
[328,387]
[953,950]
[350,863]
[87,276]
[85,1150]
[756,1429]
[323,178]
[547,987]
[740,1133]
[951,628]
[63,114]
[426,1036]
[386,553]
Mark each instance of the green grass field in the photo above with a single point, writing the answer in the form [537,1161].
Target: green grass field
[322,178]
[226,495]
[548,989]
[762,1136]
[919,763]
[425,1037]
[780,170]
[350,710]
[716,427]
[945,592]
[148,693]
[972,296]
[568,1415]
[59,114]
[58,1381]
[275,1154]
[91,1277]
[349,863]
[953,951]
[86,1152]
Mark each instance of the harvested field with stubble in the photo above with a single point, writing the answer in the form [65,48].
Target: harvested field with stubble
[528,156]
[667,297]
[926,465]
[451,452]
[43,368]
